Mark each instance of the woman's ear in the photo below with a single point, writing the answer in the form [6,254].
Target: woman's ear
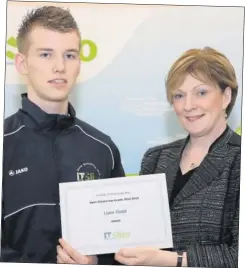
[20,64]
[227,97]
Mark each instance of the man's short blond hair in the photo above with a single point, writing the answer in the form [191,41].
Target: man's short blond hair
[49,17]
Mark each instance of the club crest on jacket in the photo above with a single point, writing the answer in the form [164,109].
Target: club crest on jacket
[88,171]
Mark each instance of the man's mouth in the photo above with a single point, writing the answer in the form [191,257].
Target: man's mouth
[58,81]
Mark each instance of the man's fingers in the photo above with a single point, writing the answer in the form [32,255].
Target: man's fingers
[59,259]
[63,256]
[74,254]
[71,251]
[62,241]
[64,244]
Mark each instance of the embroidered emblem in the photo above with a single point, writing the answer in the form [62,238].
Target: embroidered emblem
[88,171]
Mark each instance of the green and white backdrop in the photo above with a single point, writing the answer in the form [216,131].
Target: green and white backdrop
[127,52]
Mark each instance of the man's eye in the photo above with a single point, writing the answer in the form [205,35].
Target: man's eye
[70,56]
[45,55]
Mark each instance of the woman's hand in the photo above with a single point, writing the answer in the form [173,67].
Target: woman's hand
[145,256]
[66,254]
[138,256]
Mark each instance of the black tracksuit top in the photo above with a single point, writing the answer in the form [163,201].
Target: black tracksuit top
[40,151]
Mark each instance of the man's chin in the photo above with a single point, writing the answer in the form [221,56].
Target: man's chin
[57,97]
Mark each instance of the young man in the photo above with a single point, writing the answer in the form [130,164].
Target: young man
[45,144]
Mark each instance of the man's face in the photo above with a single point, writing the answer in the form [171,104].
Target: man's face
[51,63]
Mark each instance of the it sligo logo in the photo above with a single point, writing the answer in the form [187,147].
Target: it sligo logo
[88,172]
[88,53]
[116,235]
[17,171]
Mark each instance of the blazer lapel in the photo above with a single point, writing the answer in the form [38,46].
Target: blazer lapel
[207,171]
[170,163]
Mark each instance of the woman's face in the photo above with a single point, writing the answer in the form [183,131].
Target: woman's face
[199,106]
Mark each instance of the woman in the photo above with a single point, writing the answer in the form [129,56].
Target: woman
[202,171]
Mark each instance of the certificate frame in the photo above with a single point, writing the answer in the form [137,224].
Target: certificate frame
[69,213]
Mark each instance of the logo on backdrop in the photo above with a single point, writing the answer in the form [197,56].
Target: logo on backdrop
[88,172]
[89,45]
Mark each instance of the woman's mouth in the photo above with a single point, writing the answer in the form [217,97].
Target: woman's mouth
[194,118]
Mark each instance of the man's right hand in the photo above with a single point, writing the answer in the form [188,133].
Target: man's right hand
[67,255]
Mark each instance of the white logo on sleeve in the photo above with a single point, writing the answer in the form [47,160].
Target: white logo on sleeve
[80,176]
[18,171]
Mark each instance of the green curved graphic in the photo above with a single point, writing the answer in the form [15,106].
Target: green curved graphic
[12,43]
[131,174]
[239,130]
[92,50]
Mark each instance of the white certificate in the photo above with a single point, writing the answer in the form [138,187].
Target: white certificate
[103,216]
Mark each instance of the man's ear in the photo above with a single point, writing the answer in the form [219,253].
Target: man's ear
[21,64]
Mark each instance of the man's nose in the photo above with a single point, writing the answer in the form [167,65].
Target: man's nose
[59,64]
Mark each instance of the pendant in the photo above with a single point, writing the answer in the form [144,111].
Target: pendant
[192,165]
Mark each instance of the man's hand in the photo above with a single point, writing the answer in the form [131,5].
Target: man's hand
[66,254]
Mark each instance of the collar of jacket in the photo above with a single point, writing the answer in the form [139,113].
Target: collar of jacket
[35,117]
[204,174]
[226,137]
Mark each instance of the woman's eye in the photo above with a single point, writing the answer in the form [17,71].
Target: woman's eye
[177,96]
[202,92]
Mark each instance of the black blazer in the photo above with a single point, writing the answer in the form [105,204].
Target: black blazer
[205,213]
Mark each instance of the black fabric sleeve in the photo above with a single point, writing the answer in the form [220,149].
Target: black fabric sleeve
[118,170]
[8,254]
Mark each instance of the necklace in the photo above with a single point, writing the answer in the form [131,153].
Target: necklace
[192,165]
